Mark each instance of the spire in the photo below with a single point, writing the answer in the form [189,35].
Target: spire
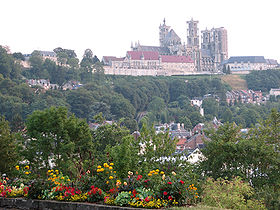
[164,21]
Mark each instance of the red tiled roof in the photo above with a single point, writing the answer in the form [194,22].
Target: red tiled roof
[181,141]
[176,59]
[148,55]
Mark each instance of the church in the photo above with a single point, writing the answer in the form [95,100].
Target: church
[173,57]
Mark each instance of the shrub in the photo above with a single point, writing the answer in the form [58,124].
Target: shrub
[234,194]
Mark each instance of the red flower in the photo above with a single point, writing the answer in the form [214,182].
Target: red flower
[182,182]
[139,177]
[170,197]
[164,193]
[169,182]
[134,193]
[146,180]
[147,199]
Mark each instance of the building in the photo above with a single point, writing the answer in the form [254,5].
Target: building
[245,64]
[244,96]
[214,48]
[172,56]
[149,63]
[274,92]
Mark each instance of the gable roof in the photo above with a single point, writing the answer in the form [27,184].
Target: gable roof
[172,35]
[146,55]
[176,59]
[271,62]
[47,53]
[246,59]
[111,58]
[160,50]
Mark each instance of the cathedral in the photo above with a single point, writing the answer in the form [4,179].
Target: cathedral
[172,57]
[208,56]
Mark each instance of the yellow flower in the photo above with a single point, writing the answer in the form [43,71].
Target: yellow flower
[163,176]
[54,175]
[106,165]
[115,172]
[68,180]
[110,177]
[111,168]
[107,182]
[111,164]
[17,167]
[51,174]
[157,170]
[99,167]
[156,173]
[149,174]
[26,172]
[161,172]
[49,171]
[27,167]
[62,177]
[125,183]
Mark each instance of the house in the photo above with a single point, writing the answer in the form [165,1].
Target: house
[198,128]
[195,156]
[274,92]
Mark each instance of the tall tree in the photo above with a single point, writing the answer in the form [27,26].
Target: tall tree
[57,139]
[8,149]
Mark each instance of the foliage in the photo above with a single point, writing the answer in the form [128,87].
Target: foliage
[232,153]
[263,80]
[234,194]
[53,137]
[8,150]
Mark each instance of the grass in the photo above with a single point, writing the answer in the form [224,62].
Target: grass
[235,81]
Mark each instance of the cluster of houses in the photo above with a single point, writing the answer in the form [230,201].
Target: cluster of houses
[190,141]
[46,85]
[245,96]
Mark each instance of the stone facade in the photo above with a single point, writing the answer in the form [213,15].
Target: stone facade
[239,64]
[207,57]
[172,56]
[148,63]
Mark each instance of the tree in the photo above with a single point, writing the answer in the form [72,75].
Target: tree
[18,56]
[228,70]
[8,149]
[254,157]
[107,136]
[8,67]
[56,138]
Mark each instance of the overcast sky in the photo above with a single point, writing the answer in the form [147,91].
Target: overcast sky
[109,26]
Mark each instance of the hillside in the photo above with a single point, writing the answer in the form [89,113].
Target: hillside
[235,81]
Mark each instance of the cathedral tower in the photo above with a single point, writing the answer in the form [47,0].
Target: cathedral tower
[163,31]
[192,34]
[193,42]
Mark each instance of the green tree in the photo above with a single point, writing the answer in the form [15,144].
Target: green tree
[8,149]
[57,139]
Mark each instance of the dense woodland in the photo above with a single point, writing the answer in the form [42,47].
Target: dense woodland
[134,100]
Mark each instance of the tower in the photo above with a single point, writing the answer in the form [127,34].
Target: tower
[193,42]
[192,34]
[163,31]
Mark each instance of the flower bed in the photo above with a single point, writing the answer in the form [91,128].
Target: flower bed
[156,189]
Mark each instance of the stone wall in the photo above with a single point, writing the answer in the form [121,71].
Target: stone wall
[21,203]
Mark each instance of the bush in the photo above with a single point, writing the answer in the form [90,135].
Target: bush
[234,194]
[271,197]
